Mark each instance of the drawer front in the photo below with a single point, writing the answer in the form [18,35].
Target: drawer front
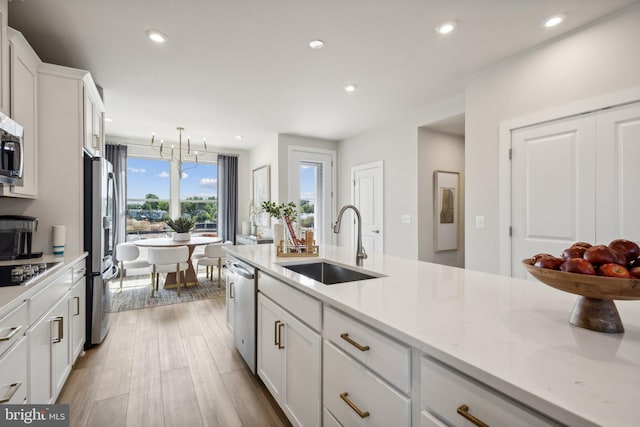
[428,420]
[357,397]
[329,420]
[41,302]
[304,307]
[13,374]
[79,270]
[386,357]
[13,326]
[444,391]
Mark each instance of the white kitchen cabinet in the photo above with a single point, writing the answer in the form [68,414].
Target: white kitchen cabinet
[24,110]
[93,121]
[455,399]
[4,57]
[13,374]
[356,396]
[49,353]
[56,336]
[289,362]
[77,311]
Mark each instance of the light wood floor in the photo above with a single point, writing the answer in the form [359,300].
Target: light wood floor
[172,365]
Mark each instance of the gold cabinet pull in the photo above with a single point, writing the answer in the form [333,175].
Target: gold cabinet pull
[77,313]
[362,414]
[12,332]
[275,333]
[60,321]
[280,345]
[12,390]
[463,410]
[345,336]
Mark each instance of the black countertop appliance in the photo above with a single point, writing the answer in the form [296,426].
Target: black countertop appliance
[16,236]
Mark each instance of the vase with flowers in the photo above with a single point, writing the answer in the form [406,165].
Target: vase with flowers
[284,215]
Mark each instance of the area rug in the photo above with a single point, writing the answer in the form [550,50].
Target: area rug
[136,293]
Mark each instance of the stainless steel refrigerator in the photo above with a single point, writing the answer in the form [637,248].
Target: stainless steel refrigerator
[100,221]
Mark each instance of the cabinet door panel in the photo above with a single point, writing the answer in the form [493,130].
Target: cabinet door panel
[270,358]
[77,310]
[40,362]
[60,359]
[13,374]
[302,375]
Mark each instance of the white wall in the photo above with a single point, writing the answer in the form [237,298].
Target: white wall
[396,144]
[601,59]
[438,151]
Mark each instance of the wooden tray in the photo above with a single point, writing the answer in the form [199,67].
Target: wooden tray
[595,308]
[315,251]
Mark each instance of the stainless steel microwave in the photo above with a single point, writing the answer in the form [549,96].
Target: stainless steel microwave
[11,151]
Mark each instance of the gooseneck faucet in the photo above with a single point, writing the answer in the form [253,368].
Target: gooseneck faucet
[360,252]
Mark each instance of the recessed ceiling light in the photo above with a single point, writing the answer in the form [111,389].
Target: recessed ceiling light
[553,21]
[238,137]
[350,88]
[446,27]
[316,44]
[108,119]
[157,36]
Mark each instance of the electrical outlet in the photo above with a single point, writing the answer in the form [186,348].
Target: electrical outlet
[406,219]
[480,222]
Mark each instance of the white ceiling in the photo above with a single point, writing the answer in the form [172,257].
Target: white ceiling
[243,67]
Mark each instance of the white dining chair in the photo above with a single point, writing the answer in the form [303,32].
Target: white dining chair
[167,260]
[213,256]
[128,256]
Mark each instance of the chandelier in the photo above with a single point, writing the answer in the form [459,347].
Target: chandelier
[188,157]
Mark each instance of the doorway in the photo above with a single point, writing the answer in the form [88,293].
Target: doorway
[368,197]
[441,147]
[312,189]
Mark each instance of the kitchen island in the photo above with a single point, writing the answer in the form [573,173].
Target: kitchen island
[509,335]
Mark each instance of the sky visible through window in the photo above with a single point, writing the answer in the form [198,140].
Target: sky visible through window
[146,176]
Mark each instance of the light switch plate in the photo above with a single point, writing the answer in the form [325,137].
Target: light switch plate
[480,222]
[406,219]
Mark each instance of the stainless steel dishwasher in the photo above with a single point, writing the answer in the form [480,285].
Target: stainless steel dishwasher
[242,289]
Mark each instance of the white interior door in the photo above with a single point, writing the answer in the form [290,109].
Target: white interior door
[553,188]
[367,196]
[618,174]
[311,188]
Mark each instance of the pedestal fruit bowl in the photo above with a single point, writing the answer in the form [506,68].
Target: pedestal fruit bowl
[594,308]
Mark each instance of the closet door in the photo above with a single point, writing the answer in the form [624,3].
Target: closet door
[552,187]
[618,173]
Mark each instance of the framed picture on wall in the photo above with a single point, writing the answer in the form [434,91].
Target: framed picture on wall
[262,193]
[446,207]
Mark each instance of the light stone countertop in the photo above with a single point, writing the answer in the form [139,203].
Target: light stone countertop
[511,334]
[11,296]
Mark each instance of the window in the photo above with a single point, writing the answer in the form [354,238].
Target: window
[199,195]
[311,181]
[148,188]
[149,201]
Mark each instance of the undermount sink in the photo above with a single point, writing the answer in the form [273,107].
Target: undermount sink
[329,274]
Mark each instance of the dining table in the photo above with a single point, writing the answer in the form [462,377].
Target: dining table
[191,278]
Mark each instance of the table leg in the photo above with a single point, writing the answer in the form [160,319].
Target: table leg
[191,279]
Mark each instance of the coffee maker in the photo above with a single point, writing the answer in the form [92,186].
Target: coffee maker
[16,236]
